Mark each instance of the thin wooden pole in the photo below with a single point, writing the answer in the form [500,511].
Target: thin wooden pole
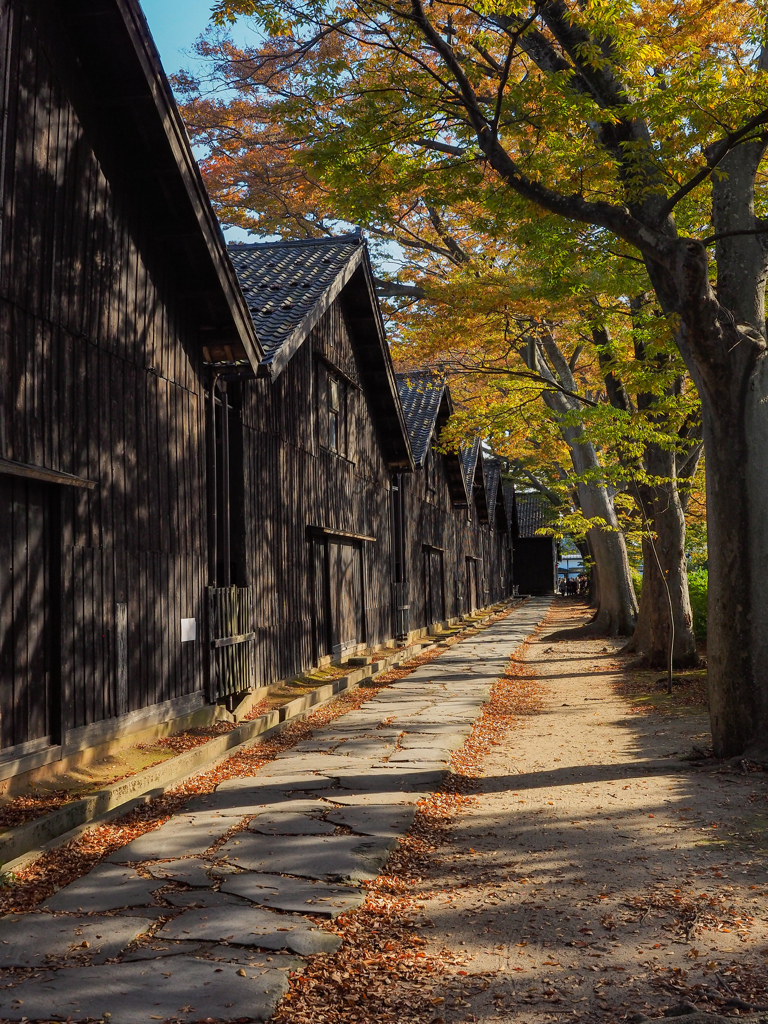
[226,556]
[213,529]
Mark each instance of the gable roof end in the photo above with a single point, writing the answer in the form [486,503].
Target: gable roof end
[421,395]
[427,407]
[531,513]
[472,464]
[290,285]
[114,78]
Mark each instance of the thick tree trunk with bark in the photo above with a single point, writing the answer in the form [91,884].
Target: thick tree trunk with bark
[617,605]
[651,636]
[736,443]
[722,337]
[665,571]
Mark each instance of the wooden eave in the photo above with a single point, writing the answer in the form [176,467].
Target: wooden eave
[111,71]
[353,287]
[363,316]
[457,487]
[301,332]
[46,476]
[479,493]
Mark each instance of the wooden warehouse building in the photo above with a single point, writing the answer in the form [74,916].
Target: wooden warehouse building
[535,554]
[430,506]
[450,546]
[114,283]
[207,482]
[498,552]
[486,530]
[321,432]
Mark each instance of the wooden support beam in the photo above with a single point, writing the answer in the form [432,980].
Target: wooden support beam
[48,476]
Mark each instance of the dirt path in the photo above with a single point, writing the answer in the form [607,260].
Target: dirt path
[597,876]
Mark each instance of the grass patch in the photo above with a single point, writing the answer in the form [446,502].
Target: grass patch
[646,691]
[698,581]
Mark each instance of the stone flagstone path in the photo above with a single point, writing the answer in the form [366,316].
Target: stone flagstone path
[314,823]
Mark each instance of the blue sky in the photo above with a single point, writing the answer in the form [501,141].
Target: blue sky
[175,24]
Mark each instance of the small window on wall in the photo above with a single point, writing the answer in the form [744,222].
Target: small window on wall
[431,469]
[337,416]
[334,414]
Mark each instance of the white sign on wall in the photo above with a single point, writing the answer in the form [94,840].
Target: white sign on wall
[188,630]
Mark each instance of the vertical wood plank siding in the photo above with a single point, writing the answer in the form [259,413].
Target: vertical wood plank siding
[432,521]
[98,379]
[292,482]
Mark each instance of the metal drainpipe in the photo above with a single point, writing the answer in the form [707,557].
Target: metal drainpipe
[211,486]
[226,554]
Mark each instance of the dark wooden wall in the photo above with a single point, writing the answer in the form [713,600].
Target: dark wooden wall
[498,562]
[472,545]
[98,379]
[292,482]
[432,521]
[535,566]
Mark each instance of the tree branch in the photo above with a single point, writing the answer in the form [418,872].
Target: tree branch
[715,154]
[437,223]
[711,239]
[537,485]
[440,147]
[396,290]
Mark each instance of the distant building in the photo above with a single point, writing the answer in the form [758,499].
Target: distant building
[570,562]
[535,555]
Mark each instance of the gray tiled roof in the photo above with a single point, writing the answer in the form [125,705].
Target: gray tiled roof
[421,393]
[509,499]
[532,513]
[469,456]
[492,470]
[289,285]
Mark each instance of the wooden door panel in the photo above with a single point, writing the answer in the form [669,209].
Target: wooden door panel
[437,584]
[471,585]
[321,598]
[346,605]
[427,588]
[25,615]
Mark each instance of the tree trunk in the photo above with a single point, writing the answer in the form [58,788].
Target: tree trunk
[594,587]
[664,559]
[617,605]
[723,340]
[617,608]
[651,636]
[737,615]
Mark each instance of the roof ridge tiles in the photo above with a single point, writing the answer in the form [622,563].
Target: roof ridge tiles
[298,242]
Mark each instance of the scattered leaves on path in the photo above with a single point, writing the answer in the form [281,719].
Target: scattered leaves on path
[57,868]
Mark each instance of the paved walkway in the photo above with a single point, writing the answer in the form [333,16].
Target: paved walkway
[251,866]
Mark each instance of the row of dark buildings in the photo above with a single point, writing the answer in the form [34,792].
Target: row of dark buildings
[211,478]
